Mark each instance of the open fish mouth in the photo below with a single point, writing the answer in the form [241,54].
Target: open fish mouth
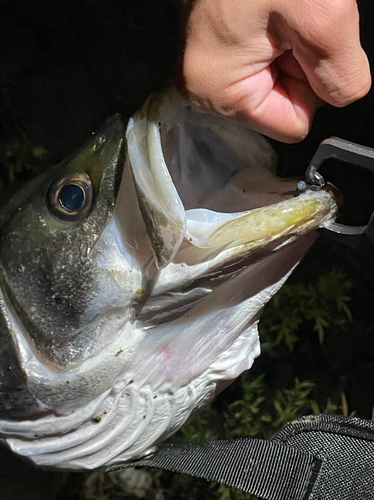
[167,183]
[124,317]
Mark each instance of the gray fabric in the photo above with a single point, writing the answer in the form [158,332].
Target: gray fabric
[345,446]
[322,457]
[268,470]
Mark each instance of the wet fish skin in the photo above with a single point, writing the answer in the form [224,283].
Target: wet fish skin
[158,298]
[46,272]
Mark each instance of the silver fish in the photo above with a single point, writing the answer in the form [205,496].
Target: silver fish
[133,276]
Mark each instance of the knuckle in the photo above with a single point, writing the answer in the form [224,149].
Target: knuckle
[328,19]
[347,96]
[351,86]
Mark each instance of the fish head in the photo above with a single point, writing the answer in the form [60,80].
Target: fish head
[133,276]
[51,284]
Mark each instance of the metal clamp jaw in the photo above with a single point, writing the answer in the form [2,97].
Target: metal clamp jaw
[349,152]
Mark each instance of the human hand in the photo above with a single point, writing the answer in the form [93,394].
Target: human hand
[271,63]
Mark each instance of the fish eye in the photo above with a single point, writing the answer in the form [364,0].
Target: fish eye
[71,198]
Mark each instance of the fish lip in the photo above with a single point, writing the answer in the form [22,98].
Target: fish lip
[221,259]
[238,260]
[149,122]
[114,128]
[260,226]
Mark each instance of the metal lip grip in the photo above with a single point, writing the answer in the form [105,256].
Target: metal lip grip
[349,152]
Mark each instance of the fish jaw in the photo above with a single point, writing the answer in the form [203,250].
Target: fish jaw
[213,242]
[45,265]
[48,280]
[189,307]
[179,367]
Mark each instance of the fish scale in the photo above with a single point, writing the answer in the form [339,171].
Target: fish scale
[127,308]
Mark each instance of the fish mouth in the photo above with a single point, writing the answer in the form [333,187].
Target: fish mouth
[211,207]
[243,207]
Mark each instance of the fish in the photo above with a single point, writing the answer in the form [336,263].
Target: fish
[133,275]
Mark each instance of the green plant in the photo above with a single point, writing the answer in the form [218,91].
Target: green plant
[291,403]
[226,493]
[23,157]
[248,417]
[324,304]
[202,428]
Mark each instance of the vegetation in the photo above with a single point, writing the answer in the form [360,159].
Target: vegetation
[65,66]
[23,159]
[324,304]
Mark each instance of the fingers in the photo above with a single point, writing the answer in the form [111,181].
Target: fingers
[270,63]
[327,47]
[285,109]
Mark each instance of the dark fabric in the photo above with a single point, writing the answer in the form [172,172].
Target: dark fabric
[345,446]
[322,457]
[244,464]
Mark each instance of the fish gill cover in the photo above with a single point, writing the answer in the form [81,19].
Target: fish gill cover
[104,372]
[341,366]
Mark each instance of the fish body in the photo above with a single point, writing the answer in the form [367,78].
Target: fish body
[133,276]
